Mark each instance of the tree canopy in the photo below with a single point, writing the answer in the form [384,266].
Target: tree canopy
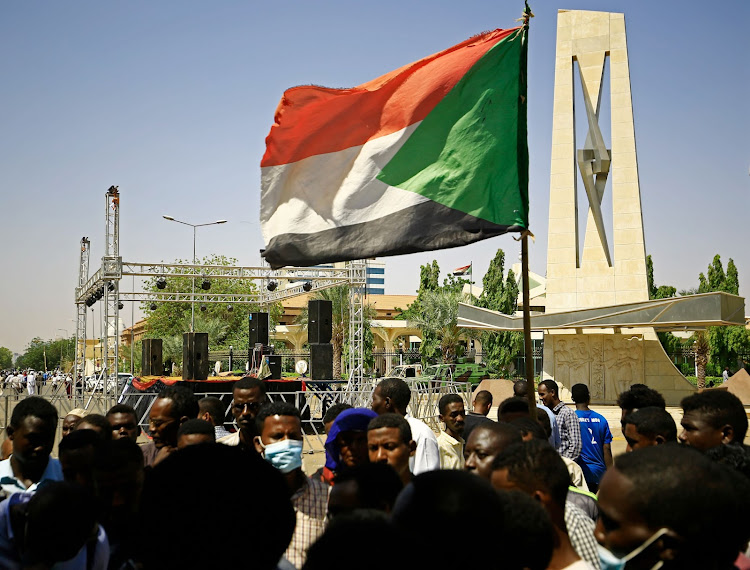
[500,293]
[58,353]
[6,358]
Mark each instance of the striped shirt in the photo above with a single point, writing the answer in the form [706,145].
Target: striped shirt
[570,431]
[310,504]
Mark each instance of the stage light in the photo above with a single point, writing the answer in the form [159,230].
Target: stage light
[161,283]
[120,306]
[111,286]
[153,306]
[205,284]
[230,308]
[203,308]
[307,286]
[272,286]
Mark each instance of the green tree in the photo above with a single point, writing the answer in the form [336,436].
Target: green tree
[500,293]
[52,353]
[725,343]
[429,281]
[650,277]
[439,319]
[6,358]
[732,282]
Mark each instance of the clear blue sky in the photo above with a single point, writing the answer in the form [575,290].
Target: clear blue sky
[172,100]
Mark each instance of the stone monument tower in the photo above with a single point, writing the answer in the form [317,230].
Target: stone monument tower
[607,270]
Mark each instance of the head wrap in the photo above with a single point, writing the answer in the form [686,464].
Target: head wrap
[353,419]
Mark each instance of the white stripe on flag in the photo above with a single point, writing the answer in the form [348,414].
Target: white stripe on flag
[333,190]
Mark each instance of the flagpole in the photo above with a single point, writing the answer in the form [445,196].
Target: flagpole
[528,351]
[471,283]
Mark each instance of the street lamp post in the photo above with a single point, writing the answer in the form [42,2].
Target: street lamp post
[192,295]
[61,345]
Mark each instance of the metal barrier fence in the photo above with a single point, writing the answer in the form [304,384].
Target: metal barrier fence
[313,402]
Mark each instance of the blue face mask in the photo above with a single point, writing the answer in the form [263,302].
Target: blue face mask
[285,455]
[608,561]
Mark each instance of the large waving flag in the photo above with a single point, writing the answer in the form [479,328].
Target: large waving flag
[430,156]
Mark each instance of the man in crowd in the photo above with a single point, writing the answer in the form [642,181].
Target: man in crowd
[124,422]
[71,420]
[658,510]
[389,440]
[279,441]
[249,394]
[32,536]
[31,382]
[479,412]
[649,426]
[485,443]
[567,421]
[534,468]
[596,439]
[392,395]
[370,486]
[171,408]
[32,430]
[231,511]
[520,390]
[212,410]
[712,418]
[450,442]
[195,432]
[639,396]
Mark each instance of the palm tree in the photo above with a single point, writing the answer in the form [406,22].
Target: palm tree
[439,316]
[701,348]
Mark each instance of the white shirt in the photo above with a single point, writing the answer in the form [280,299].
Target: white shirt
[427,456]
[10,484]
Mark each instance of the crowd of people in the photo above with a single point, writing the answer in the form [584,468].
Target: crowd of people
[29,380]
[533,490]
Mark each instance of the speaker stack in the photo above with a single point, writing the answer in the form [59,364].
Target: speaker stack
[258,339]
[151,357]
[195,356]
[319,334]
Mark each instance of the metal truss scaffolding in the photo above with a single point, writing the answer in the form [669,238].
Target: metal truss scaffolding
[104,285]
[357,288]
[83,275]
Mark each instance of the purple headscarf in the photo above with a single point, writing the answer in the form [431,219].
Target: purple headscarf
[353,419]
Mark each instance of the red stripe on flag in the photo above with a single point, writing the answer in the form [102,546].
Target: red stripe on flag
[462,269]
[316,120]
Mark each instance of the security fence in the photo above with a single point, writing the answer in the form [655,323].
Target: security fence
[313,401]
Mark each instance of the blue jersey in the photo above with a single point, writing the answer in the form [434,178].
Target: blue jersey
[594,434]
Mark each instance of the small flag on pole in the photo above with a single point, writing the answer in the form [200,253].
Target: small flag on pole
[462,270]
[430,156]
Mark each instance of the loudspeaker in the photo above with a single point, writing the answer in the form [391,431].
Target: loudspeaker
[258,331]
[195,356]
[321,361]
[319,313]
[151,357]
[274,363]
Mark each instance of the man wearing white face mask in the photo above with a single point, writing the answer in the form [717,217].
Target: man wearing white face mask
[280,443]
[659,506]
